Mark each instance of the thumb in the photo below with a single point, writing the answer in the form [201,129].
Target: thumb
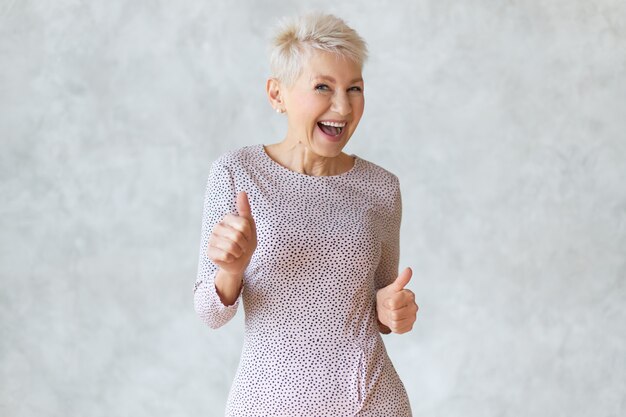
[243,205]
[402,280]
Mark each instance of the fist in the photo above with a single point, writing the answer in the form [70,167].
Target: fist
[233,239]
[396,305]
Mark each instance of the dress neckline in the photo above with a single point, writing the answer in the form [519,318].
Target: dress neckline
[272,163]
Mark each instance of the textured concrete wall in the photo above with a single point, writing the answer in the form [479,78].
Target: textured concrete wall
[505,121]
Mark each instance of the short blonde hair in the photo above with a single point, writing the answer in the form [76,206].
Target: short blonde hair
[297,37]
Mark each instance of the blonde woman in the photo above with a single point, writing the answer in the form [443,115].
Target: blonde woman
[308,238]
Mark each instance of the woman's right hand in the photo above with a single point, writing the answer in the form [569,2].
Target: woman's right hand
[233,240]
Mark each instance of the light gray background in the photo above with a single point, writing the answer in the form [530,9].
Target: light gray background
[505,121]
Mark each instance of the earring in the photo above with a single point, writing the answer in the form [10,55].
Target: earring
[278,111]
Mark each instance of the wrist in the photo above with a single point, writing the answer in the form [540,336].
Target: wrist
[228,286]
[228,276]
[383,328]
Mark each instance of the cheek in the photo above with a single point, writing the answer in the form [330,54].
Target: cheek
[311,105]
[357,107]
[304,114]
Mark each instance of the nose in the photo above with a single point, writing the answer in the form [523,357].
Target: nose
[341,104]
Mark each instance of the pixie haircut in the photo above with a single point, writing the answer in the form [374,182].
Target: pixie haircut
[296,39]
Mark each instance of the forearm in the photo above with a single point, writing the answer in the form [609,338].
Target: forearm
[228,286]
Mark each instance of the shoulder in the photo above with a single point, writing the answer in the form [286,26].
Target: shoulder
[229,167]
[384,188]
[236,158]
[380,179]
[236,163]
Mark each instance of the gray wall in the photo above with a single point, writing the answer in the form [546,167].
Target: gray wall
[504,120]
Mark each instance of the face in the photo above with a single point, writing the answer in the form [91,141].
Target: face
[325,103]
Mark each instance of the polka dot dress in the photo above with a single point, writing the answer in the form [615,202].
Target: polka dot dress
[325,245]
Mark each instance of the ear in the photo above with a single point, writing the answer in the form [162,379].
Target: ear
[274,89]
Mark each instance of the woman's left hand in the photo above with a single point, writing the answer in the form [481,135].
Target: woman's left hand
[396,305]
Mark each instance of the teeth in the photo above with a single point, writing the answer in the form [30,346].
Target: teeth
[334,124]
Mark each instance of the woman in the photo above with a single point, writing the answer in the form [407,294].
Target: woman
[308,237]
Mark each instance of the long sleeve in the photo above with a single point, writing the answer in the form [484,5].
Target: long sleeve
[387,270]
[220,199]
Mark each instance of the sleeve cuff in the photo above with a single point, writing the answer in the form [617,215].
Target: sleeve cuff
[209,306]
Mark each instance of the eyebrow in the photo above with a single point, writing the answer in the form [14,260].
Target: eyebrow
[331,79]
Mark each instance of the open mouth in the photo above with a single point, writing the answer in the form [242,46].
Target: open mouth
[331,128]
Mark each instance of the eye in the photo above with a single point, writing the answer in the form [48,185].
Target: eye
[322,87]
[356,89]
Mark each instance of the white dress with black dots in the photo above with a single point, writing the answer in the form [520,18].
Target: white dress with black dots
[325,244]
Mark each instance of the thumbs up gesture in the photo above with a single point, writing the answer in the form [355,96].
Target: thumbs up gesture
[233,239]
[396,305]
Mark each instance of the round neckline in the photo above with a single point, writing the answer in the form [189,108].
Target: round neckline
[273,163]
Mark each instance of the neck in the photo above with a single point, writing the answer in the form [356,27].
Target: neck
[298,157]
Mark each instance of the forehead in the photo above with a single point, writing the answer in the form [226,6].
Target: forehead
[322,64]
